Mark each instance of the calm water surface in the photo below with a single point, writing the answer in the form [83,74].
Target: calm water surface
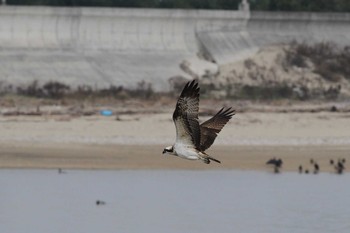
[43,201]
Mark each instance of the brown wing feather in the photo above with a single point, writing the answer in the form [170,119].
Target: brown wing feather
[210,128]
[185,115]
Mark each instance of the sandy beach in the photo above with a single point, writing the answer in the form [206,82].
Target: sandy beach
[81,156]
[135,141]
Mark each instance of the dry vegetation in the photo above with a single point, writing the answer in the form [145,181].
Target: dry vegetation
[55,98]
[330,62]
[298,71]
[56,90]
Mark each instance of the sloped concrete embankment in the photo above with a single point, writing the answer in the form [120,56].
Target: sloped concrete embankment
[115,46]
[101,46]
[272,28]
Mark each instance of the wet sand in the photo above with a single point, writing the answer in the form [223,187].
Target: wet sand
[82,156]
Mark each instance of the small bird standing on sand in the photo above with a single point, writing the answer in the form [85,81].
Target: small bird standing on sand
[300,169]
[277,163]
[192,138]
[339,167]
[316,168]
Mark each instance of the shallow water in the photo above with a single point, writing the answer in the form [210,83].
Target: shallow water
[33,201]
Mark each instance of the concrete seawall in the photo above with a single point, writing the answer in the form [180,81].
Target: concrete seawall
[278,27]
[115,46]
[102,46]
[109,28]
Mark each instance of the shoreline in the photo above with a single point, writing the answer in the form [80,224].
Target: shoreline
[149,157]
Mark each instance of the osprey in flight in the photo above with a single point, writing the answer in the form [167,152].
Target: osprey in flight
[192,138]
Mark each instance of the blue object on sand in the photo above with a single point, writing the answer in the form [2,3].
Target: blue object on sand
[106,112]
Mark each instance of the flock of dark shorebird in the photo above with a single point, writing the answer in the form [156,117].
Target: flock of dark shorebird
[339,166]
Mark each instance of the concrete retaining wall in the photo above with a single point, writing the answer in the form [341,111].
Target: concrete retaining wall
[278,27]
[103,46]
[116,46]
[109,28]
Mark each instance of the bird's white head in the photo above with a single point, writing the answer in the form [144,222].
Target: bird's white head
[169,150]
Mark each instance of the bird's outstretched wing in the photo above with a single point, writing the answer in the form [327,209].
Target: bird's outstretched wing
[185,115]
[210,128]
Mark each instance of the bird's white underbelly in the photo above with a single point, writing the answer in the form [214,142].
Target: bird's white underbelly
[185,151]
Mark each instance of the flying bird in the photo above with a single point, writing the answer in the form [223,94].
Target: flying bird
[192,138]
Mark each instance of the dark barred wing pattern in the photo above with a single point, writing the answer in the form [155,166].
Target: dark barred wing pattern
[210,128]
[185,115]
